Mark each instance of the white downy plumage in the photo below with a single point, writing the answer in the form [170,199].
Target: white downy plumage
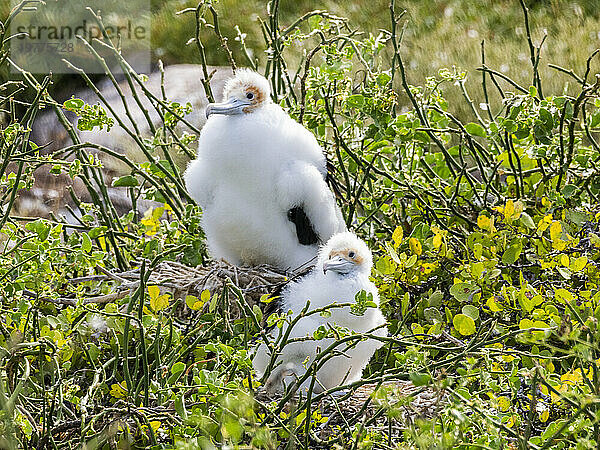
[255,167]
[341,272]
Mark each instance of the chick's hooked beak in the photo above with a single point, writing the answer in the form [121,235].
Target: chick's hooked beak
[338,264]
[232,106]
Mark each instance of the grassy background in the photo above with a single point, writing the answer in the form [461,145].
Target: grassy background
[439,33]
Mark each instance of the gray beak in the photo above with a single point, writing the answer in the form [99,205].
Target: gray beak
[339,265]
[230,107]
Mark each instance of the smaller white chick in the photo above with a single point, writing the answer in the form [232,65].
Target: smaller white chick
[342,271]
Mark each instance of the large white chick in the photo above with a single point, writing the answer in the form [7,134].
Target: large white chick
[342,271]
[260,179]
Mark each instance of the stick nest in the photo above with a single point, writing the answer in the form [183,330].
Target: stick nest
[181,280]
[402,401]
[398,401]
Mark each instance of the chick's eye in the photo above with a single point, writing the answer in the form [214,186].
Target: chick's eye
[351,254]
[249,95]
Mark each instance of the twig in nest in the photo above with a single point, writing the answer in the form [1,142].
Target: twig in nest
[100,300]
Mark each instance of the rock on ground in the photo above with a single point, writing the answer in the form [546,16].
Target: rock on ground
[182,83]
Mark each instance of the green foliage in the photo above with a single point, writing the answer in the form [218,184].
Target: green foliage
[486,237]
[89,116]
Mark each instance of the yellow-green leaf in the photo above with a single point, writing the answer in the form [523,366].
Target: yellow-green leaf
[193,302]
[162,302]
[398,235]
[524,324]
[509,210]
[564,295]
[503,403]
[555,231]
[415,246]
[493,305]
[205,295]
[118,390]
[486,223]
[157,302]
[464,324]
[579,263]
[437,241]
[154,292]
[86,243]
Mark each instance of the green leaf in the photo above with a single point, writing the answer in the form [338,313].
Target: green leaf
[213,303]
[569,190]
[97,232]
[464,324]
[530,302]
[463,292]
[320,332]
[527,221]
[257,312]
[532,91]
[547,120]
[178,367]
[432,315]
[421,136]
[385,265]
[475,129]
[564,272]
[435,299]
[512,253]
[411,261]
[383,79]
[127,180]
[73,104]
[355,101]
[86,243]
[471,311]
[405,304]
[419,379]
[595,121]
[180,408]
[233,430]
[393,254]
[40,227]
[564,295]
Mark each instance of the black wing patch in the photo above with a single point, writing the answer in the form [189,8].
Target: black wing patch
[304,230]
